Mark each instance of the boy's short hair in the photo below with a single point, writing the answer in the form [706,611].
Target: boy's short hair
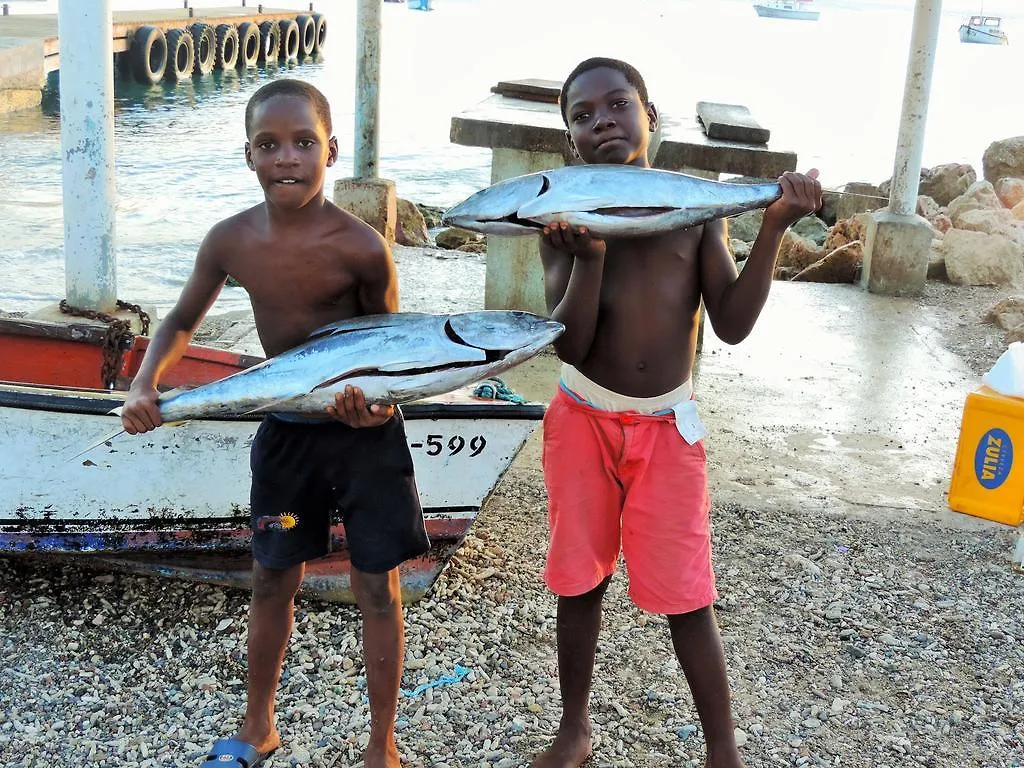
[289,87]
[631,74]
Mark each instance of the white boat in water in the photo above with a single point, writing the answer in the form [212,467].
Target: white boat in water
[983,29]
[787,9]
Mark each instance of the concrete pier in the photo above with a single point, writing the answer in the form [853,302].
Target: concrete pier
[30,43]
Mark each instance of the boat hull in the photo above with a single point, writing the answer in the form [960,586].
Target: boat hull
[970,34]
[175,501]
[785,13]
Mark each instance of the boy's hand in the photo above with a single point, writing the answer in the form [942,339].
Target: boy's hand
[350,408]
[801,195]
[579,244]
[140,412]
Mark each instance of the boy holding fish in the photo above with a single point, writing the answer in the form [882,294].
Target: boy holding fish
[305,263]
[624,463]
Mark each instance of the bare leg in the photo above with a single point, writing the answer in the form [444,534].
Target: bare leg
[270,624]
[379,598]
[577,628]
[698,647]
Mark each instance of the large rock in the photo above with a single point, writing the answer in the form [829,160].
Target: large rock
[1010,191]
[411,228]
[977,258]
[930,211]
[745,226]
[1004,158]
[431,215]
[829,202]
[993,221]
[1008,313]
[812,228]
[942,183]
[847,231]
[859,197]
[981,194]
[842,265]
[457,239]
[795,255]
[739,249]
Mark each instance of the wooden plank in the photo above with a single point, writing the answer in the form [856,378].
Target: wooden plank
[530,89]
[730,122]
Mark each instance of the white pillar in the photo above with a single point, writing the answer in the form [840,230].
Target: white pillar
[87,145]
[368,25]
[921,61]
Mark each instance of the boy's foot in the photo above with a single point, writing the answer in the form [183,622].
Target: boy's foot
[570,749]
[263,742]
[382,757]
[725,758]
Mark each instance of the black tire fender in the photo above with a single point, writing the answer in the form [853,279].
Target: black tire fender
[249,42]
[307,34]
[321,31]
[270,42]
[205,48]
[181,55]
[290,42]
[147,56]
[227,50]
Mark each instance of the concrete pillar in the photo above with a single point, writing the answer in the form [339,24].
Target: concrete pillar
[898,241]
[87,146]
[367,153]
[515,278]
[372,200]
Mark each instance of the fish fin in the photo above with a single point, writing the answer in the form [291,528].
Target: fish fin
[97,443]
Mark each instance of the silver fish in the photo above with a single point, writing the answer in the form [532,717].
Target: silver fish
[393,358]
[610,200]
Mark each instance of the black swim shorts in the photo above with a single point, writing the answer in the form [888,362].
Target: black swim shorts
[305,476]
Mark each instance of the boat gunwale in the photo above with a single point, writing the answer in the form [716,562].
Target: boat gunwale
[99,402]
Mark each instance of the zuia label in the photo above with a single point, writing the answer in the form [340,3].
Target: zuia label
[993,459]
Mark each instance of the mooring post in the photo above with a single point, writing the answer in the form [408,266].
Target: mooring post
[367,153]
[85,32]
[910,142]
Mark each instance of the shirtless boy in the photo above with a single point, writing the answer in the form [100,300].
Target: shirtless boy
[304,263]
[624,464]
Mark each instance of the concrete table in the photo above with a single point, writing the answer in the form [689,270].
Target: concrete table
[529,136]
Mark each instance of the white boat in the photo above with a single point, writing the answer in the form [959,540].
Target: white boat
[787,9]
[175,501]
[983,29]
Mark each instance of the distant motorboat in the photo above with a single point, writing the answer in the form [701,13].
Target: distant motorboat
[787,9]
[421,5]
[983,29]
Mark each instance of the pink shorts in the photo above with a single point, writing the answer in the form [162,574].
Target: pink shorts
[630,482]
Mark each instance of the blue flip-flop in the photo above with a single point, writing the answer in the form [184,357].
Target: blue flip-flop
[232,753]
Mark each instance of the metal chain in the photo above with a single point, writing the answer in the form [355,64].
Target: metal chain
[118,334]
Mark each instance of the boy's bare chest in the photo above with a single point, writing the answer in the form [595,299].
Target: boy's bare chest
[294,276]
[651,273]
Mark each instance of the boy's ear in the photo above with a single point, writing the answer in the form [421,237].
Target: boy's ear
[572,147]
[652,116]
[332,152]
[248,157]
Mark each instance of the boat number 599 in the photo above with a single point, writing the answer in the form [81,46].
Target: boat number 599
[436,445]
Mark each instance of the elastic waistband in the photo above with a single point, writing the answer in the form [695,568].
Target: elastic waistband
[583,391]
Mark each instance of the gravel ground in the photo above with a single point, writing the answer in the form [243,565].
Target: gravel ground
[851,641]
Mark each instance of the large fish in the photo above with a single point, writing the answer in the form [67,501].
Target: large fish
[610,200]
[393,358]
